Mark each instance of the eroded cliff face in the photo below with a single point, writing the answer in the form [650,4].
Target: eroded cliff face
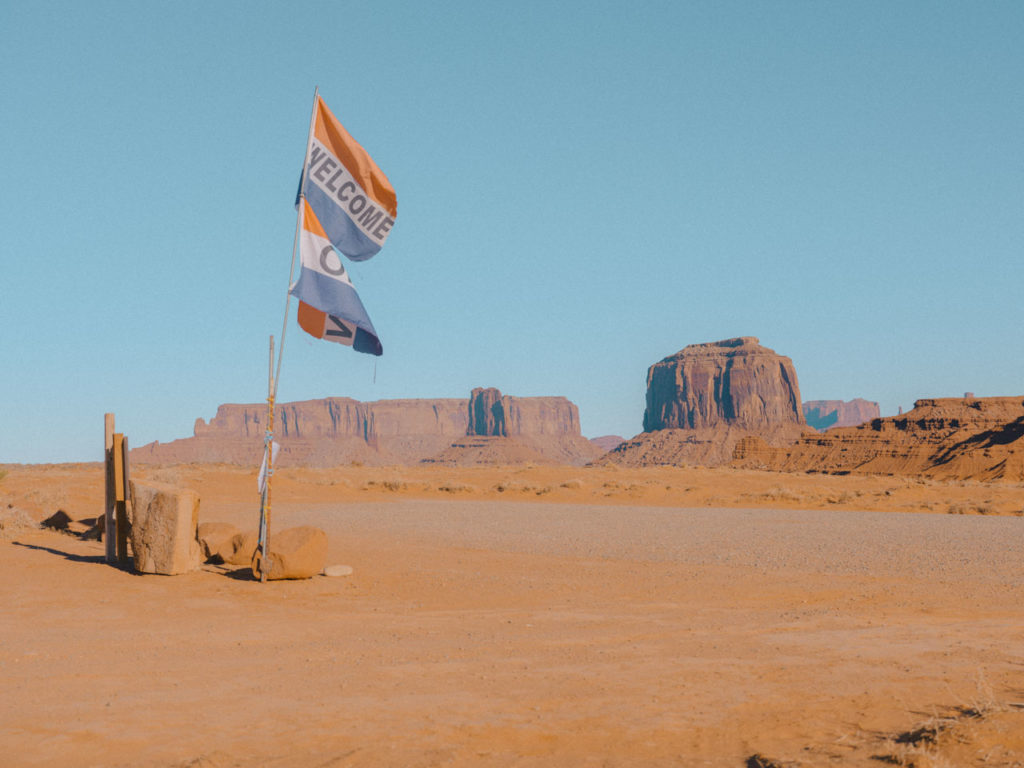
[735,382]
[705,398]
[486,413]
[339,430]
[826,414]
[950,438]
[492,414]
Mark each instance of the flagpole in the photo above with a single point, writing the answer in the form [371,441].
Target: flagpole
[261,561]
[295,241]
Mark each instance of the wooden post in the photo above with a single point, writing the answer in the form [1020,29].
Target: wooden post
[122,511]
[109,501]
[121,496]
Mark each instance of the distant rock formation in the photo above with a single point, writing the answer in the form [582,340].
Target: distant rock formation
[825,414]
[735,382]
[703,399]
[517,430]
[608,442]
[948,438]
[486,413]
[340,430]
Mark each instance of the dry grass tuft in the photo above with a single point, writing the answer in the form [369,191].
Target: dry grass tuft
[781,493]
[452,487]
[13,520]
[389,484]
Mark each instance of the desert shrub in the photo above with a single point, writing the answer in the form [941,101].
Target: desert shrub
[781,494]
[451,487]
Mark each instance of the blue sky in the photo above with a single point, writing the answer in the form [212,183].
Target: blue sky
[583,188]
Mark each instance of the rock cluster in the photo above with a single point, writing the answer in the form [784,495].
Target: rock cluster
[295,553]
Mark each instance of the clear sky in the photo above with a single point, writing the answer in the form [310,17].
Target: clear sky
[583,188]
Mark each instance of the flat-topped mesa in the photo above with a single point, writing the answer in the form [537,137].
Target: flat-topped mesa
[735,382]
[705,398]
[338,430]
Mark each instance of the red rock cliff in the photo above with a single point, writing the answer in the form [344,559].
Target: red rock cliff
[955,438]
[735,382]
[338,430]
[702,400]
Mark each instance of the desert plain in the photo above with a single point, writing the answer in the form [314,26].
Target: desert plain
[527,616]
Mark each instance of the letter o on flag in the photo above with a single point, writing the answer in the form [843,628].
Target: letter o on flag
[325,264]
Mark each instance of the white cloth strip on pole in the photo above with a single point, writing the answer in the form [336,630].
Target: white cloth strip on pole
[295,240]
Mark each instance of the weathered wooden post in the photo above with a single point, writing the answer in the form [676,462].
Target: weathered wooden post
[121,496]
[109,501]
[123,510]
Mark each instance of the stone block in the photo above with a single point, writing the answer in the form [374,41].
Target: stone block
[165,522]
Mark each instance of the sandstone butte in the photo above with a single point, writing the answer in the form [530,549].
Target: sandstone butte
[487,428]
[945,438]
[702,400]
[826,414]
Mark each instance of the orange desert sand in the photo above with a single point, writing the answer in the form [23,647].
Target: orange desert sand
[528,616]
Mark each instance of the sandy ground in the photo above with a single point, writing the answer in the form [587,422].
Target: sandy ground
[529,616]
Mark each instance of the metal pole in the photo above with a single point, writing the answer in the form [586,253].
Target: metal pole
[295,239]
[260,560]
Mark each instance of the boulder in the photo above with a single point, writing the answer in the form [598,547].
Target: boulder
[165,520]
[241,547]
[215,539]
[297,553]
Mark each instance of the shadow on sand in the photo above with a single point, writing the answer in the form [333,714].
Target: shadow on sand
[97,559]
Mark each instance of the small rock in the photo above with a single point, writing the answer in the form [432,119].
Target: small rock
[338,570]
[242,547]
[96,530]
[59,521]
[216,541]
